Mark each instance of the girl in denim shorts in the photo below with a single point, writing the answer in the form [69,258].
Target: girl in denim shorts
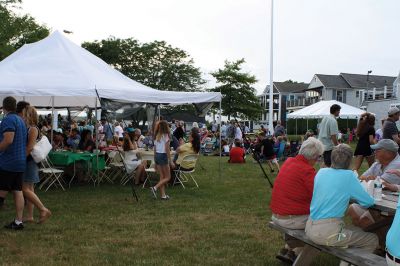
[162,158]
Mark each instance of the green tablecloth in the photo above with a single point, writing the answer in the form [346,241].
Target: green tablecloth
[64,158]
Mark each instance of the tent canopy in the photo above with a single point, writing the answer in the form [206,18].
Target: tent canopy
[322,108]
[57,69]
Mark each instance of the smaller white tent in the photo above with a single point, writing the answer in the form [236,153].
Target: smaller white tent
[322,108]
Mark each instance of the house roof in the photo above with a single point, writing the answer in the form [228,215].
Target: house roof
[333,81]
[289,87]
[286,87]
[360,81]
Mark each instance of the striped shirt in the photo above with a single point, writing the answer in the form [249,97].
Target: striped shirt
[293,187]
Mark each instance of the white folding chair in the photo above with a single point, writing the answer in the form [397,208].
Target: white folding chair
[115,166]
[51,175]
[151,170]
[182,175]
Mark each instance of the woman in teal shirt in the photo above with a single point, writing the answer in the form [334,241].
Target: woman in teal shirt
[393,235]
[333,189]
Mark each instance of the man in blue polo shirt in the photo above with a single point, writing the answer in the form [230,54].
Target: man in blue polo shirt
[13,136]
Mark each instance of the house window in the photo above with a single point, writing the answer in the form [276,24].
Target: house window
[339,95]
[357,94]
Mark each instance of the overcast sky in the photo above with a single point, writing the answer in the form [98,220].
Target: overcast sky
[311,36]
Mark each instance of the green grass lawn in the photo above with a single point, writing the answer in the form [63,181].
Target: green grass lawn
[224,222]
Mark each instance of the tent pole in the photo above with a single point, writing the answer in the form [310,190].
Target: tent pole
[307,124]
[97,141]
[296,126]
[52,122]
[220,137]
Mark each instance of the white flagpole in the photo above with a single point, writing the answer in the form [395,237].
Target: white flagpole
[271,79]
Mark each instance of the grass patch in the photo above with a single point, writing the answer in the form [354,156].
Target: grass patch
[224,222]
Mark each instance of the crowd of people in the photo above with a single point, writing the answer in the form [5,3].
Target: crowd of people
[317,202]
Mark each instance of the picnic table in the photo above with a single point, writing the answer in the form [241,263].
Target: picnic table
[388,204]
[65,158]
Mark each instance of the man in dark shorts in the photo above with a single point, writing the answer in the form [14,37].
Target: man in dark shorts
[13,136]
[389,128]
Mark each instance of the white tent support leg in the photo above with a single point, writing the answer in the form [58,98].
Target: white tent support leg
[52,115]
[220,138]
[97,142]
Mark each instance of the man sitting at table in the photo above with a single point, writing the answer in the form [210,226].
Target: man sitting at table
[388,160]
[292,193]
[139,138]
[73,139]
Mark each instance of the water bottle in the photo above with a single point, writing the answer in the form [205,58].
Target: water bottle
[378,188]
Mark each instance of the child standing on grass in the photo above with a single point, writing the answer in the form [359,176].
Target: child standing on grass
[162,158]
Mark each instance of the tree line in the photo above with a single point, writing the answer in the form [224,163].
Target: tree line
[155,64]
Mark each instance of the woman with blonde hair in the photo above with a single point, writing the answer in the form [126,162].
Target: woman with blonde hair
[31,174]
[162,158]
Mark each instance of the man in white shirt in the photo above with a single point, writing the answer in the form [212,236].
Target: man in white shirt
[238,132]
[223,130]
[139,138]
[118,131]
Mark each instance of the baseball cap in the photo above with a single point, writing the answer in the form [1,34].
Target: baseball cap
[386,144]
[393,110]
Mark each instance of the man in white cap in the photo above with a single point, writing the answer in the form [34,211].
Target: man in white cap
[389,128]
[387,161]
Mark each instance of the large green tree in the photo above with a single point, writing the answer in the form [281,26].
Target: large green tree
[239,98]
[155,64]
[16,30]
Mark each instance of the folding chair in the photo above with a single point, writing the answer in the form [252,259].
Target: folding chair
[51,175]
[115,166]
[182,175]
[150,172]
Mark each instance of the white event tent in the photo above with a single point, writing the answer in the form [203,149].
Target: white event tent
[55,72]
[322,108]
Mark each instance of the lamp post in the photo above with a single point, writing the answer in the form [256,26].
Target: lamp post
[369,72]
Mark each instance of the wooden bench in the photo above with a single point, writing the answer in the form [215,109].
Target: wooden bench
[353,256]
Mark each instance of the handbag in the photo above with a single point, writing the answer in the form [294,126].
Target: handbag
[41,149]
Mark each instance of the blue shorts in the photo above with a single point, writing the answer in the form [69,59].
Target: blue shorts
[31,174]
[161,159]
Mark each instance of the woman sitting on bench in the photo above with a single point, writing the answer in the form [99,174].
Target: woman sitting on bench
[333,188]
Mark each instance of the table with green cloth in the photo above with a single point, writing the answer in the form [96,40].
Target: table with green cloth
[65,158]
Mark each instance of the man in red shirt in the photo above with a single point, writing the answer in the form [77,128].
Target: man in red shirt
[236,154]
[292,193]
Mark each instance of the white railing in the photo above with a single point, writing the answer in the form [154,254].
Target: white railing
[379,94]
